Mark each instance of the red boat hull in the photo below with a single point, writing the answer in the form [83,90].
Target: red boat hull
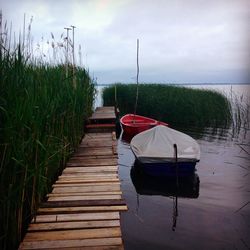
[135,124]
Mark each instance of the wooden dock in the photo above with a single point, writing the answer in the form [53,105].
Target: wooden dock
[83,209]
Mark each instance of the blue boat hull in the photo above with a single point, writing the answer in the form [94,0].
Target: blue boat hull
[168,169]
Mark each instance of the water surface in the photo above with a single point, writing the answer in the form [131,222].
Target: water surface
[215,214]
[217,218]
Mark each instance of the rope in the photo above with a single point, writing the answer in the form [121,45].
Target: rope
[175,199]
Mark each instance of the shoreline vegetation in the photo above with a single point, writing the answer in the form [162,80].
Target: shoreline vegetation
[43,107]
[178,105]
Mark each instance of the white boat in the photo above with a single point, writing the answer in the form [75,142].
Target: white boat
[155,149]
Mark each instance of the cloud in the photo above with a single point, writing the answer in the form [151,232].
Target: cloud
[194,40]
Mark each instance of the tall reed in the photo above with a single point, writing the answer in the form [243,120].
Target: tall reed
[41,122]
[179,106]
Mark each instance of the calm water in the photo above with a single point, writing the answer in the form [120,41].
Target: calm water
[213,206]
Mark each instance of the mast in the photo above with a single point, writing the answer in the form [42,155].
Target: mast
[137,77]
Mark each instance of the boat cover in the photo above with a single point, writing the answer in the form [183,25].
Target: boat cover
[157,145]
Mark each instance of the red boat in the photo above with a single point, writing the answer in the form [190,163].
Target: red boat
[134,124]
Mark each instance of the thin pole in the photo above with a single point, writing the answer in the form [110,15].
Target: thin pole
[137,77]
[73,51]
[73,46]
[67,51]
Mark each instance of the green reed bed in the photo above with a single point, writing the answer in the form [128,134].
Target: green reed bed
[179,106]
[41,122]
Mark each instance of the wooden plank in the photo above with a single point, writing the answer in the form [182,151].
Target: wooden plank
[86,180]
[109,184]
[110,126]
[97,135]
[81,209]
[105,109]
[94,154]
[85,197]
[88,188]
[65,182]
[59,244]
[82,203]
[107,174]
[88,172]
[77,217]
[88,176]
[99,185]
[89,169]
[92,162]
[74,234]
[98,144]
[84,193]
[95,149]
[103,116]
[92,157]
[120,247]
[73,225]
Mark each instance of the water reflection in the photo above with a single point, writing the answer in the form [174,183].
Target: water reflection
[185,187]
[175,187]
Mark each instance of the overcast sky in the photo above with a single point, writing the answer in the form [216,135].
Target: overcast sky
[192,41]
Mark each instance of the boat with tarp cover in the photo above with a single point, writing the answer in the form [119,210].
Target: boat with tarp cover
[161,150]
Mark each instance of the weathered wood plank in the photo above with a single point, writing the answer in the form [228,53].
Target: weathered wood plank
[84,193]
[87,174]
[109,159]
[90,169]
[76,217]
[58,244]
[91,160]
[105,109]
[74,234]
[73,225]
[120,247]
[85,180]
[82,209]
[93,167]
[106,182]
[88,188]
[80,203]
[97,152]
[83,197]
[87,177]
[99,143]
[102,116]
[97,135]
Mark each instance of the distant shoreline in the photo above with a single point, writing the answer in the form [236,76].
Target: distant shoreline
[181,84]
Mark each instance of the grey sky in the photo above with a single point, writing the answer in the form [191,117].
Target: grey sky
[180,40]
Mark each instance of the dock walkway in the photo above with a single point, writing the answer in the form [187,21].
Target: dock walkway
[83,209]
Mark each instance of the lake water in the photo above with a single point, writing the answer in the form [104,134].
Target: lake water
[213,206]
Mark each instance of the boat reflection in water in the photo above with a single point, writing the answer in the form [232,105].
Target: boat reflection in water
[186,186]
